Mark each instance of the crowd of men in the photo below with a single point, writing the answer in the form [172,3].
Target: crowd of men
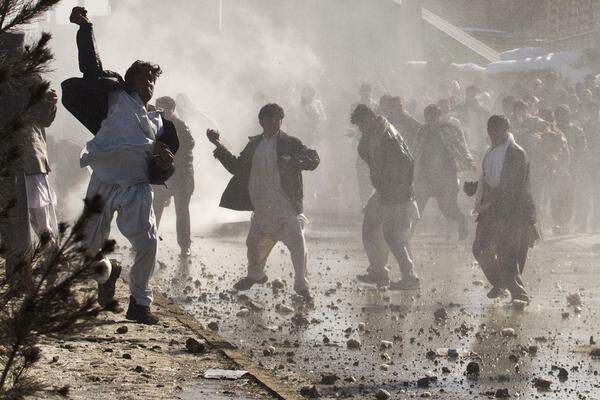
[535,148]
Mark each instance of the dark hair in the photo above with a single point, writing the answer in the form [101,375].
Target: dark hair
[142,66]
[166,102]
[498,121]
[385,99]
[271,110]
[365,87]
[520,105]
[432,111]
[361,113]
[396,102]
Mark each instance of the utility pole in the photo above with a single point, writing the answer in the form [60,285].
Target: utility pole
[220,15]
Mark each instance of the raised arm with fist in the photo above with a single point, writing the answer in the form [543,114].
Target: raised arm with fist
[213,136]
[79,16]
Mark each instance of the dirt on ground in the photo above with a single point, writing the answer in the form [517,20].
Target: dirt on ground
[126,360]
[445,341]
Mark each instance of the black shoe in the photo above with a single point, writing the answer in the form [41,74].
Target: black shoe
[305,296]
[106,291]
[496,292]
[246,283]
[140,314]
[374,279]
[406,284]
[521,297]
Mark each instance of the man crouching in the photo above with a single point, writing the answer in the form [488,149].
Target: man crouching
[267,179]
[391,209]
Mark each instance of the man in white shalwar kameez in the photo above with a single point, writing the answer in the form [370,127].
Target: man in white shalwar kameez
[127,151]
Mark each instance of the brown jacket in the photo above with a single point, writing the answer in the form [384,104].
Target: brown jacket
[237,195]
[391,164]
[22,126]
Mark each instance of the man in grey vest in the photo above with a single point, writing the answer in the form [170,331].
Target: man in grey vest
[27,200]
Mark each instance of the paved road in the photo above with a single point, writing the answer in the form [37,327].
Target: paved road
[309,344]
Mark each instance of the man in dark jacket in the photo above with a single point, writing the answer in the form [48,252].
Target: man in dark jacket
[267,179]
[181,185]
[132,148]
[506,213]
[362,170]
[441,152]
[404,123]
[391,209]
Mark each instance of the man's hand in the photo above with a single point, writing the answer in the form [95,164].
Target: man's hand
[213,136]
[470,188]
[79,16]
[52,97]
[164,156]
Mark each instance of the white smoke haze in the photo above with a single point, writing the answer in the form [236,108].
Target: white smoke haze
[218,70]
[272,49]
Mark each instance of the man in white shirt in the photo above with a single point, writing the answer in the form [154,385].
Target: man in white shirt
[133,148]
[506,213]
[267,179]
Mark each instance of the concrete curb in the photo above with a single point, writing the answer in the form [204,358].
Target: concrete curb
[274,385]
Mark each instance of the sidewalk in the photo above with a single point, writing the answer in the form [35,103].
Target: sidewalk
[144,362]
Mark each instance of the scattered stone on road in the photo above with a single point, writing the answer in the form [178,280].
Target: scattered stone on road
[329,379]
[542,383]
[310,392]
[194,346]
[473,369]
[440,314]
[353,343]
[574,299]
[213,326]
[508,332]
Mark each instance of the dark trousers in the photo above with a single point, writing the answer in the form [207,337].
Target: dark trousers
[447,200]
[14,221]
[181,197]
[363,177]
[500,248]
